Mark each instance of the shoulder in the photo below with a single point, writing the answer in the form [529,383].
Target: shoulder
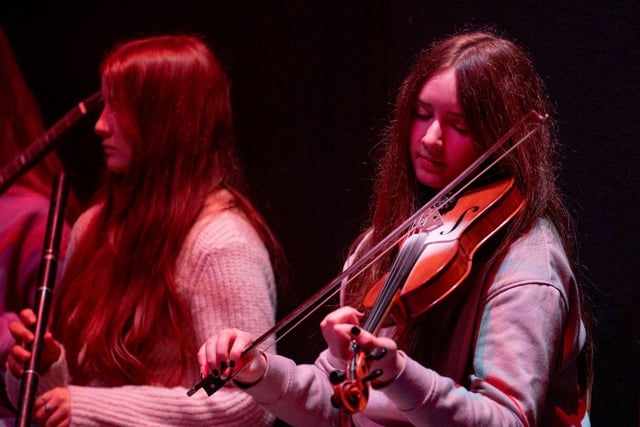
[222,229]
[221,226]
[22,202]
[22,193]
[24,215]
[224,246]
[536,258]
[84,220]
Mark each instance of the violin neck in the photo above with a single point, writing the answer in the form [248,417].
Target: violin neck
[400,269]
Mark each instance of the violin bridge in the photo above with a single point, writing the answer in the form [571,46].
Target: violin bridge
[428,221]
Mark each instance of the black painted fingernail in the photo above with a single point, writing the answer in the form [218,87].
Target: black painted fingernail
[215,373]
[232,364]
[377,353]
[355,331]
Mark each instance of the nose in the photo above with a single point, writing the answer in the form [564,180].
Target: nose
[433,135]
[101,127]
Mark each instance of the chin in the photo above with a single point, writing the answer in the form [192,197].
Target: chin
[430,181]
[116,168]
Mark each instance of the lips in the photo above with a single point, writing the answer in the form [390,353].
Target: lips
[427,162]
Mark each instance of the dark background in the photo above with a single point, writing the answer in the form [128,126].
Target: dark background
[313,85]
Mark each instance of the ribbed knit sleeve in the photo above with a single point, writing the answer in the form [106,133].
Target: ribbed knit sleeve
[158,406]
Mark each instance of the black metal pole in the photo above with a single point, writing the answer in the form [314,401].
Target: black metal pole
[44,294]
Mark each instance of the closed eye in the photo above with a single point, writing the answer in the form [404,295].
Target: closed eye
[421,113]
[462,130]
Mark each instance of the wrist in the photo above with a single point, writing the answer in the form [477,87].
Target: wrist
[253,372]
[384,380]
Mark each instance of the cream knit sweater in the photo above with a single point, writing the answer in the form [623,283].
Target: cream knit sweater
[225,273]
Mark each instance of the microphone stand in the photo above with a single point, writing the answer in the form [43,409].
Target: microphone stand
[44,293]
[45,142]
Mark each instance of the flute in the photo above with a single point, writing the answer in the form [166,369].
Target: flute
[44,294]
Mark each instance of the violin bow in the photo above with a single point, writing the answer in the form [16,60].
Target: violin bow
[420,219]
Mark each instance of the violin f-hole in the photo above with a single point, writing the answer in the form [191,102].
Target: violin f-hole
[472,209]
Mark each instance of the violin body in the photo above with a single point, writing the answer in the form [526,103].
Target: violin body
[447,257]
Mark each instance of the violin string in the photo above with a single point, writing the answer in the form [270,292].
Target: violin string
[400,269]
[463,188]
[454,188]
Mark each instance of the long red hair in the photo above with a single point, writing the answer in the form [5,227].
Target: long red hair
[118,298]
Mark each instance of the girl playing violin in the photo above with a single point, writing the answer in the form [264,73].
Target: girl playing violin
[172,252]
[509,346]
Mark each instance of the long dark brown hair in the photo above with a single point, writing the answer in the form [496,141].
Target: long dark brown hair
[118,296]
[497,85]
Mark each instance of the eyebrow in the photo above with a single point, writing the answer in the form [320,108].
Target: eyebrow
[456,114]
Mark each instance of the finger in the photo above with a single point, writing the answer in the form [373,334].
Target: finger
[383,355]
[52,408]
[236,357]
[20,332]
[367,342]
[220,350]
[15,368]
[344,314]
[51,349]
[39,417]
[338,338]
[41,410]
[57,416]
[377,353]
[229,349]
[336,327]
[202,360]
[20,354]
[209,357]
[216,351]
[28,317]
[39,403]
[347,330]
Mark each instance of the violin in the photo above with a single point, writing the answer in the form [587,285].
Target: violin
[432,276]
[447,256]
[430,266]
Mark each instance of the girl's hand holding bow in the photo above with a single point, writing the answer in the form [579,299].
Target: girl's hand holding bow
[221,355]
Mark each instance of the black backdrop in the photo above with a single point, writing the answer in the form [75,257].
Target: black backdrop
[313,83]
